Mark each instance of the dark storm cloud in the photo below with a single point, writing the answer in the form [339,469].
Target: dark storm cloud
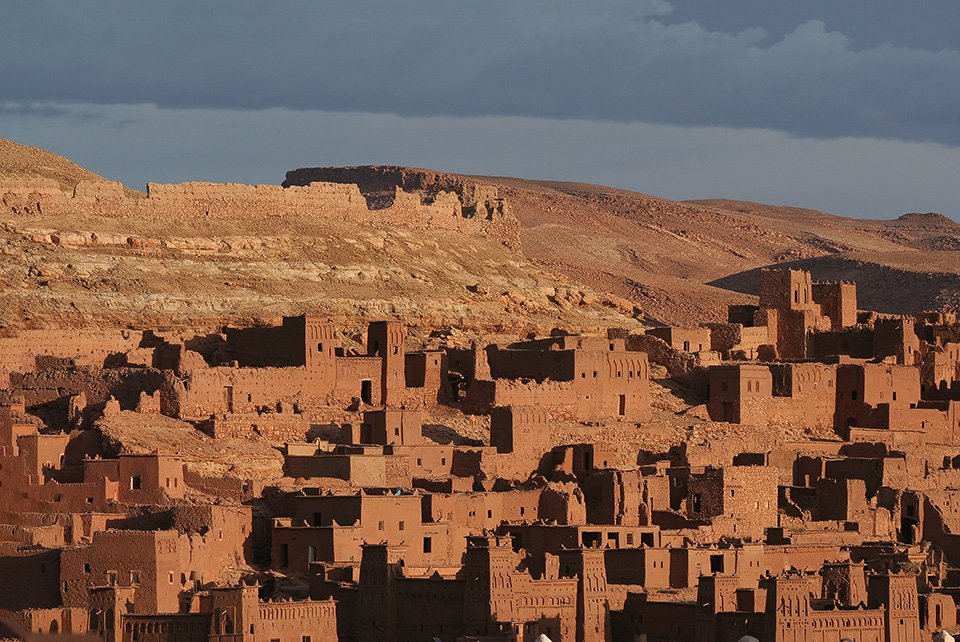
[611,61]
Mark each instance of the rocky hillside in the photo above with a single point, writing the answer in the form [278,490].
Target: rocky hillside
[77,269]
[683,262]
[591,256]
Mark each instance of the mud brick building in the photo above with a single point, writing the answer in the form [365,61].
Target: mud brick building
[587,378]
[495,492]
[301,361]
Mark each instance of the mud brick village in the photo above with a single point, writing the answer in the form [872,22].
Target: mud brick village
[788,473]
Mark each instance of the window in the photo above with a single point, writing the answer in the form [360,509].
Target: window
[419,462]
[311,554]
[305,638]
[396,432]
[171,577]
[853,395]
[112,578]
[86,568]
[380,526]
[521,511]
[696,502]
[427,545]
[489,514]
[894,395]
[319,347]
[401,524]
[135,577]
[629,539]
[443,461]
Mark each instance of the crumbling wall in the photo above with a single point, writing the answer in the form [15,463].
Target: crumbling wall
[269,426]
[489,217]
[677,362]
[91,347]
[482,206]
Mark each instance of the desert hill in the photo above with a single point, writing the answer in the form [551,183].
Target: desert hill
[519,254]
[24,162]
[684,262]
[199,256]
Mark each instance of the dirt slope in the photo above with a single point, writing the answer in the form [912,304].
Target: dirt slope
[23,162]
[684,262]
[676,259]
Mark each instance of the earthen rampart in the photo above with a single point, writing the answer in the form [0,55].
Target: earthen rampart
[195,200]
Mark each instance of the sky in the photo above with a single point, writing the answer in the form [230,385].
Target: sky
[848,106]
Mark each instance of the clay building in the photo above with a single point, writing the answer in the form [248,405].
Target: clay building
[232,613]
[839,604]
[830,509]
[792,308]
[586,378]
[491,598]
[333,528]
[685,339]
[737,501]
[863,389]
[157,564]
[301,362]
[776,394]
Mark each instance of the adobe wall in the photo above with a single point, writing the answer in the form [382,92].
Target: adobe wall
[270,426]
[685,339]
[220,390]
[165,562]
[786,289]
[677,362]
[480,202]
[556,397]
[55,386]
[730,337]
[85,346]
[197,200]
[837,301]
[42,567]
[515,364]
[301,620]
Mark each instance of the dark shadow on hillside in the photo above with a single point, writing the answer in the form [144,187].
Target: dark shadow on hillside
[880,288]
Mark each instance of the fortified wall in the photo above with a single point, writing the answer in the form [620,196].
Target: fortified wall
[480,202]
[191,201]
